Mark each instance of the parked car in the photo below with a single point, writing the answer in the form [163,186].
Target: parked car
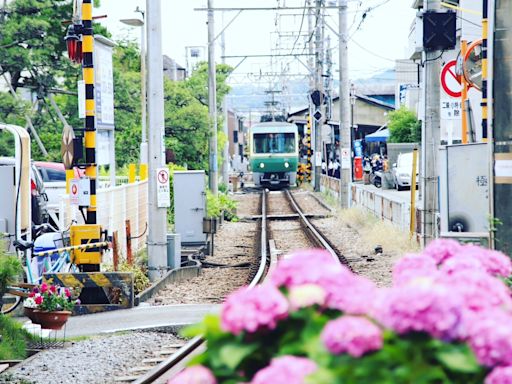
[401,171]
[54,178]
[39,198]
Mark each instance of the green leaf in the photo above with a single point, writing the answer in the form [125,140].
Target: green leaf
[232,354]
[458,359]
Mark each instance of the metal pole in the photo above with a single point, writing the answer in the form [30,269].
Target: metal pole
[90,110]
[143,96]
[157,223]
[319,87]
[412,225]
[225,163]
[430,136]
[212,102]
[345,128]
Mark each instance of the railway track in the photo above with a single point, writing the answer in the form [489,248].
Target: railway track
[170,366]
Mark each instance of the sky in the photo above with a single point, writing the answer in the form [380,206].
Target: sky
[376,41]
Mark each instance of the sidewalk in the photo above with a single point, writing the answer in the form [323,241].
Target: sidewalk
[141,317]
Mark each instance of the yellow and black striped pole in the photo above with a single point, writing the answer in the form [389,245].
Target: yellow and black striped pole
[308,144]
[90,128]
[485,32]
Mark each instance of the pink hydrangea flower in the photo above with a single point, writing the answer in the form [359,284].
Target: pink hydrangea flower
[306,295]
[352,335]
[352,295]
[312,266]
[490,337]
[500,375]
[413,265]
[479,290]
[494,262]
[423,306]
[249,309]
[462,262]
[442,249]
[197,374]
[285,370]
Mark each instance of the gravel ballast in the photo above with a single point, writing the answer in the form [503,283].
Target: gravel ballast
[96,360]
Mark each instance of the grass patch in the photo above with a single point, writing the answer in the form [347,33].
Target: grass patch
[13,343]
[375,231]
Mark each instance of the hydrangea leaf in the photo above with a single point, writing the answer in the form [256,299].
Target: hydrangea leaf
[232,354]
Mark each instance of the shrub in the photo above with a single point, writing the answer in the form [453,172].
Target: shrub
[446,319]
[10,269]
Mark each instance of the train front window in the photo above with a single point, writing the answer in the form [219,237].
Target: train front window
[274,142]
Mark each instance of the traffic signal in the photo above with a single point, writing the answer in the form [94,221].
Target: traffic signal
[439,30]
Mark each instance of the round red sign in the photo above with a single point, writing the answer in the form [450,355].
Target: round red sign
[450,81]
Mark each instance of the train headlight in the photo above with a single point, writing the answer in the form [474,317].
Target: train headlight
[286,164]
[262,165]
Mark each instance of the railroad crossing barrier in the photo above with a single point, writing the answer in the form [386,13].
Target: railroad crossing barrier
[113,290]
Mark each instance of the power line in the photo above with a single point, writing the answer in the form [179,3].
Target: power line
[301,24]
[372,53]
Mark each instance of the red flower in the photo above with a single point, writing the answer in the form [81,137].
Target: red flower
[38,300]
[53,288]
[31,294]
[67,292]
[44,288]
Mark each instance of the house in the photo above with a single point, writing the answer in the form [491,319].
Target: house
[368,115]
[173,71]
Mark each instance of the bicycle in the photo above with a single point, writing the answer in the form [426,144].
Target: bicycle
[17,292]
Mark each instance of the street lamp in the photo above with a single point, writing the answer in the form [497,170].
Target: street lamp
[140,23]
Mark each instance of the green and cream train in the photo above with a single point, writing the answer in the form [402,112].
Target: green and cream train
[274,154]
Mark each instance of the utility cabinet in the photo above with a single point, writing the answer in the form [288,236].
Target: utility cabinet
[464,190]
[190,206]
[7,199]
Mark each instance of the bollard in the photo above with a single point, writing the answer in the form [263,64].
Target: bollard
[131,173]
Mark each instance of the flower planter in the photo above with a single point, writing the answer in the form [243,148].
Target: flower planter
[51,320]
[29,312]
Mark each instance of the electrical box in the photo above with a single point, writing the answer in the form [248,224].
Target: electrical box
[85,234]
[464,190]
[190,206]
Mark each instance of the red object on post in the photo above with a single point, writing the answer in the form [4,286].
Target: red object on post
[358,168]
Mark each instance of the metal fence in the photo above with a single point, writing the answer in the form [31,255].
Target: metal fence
[116,205]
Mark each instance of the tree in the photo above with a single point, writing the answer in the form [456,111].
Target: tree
[403,126]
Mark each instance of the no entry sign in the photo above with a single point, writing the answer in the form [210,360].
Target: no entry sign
[450,81]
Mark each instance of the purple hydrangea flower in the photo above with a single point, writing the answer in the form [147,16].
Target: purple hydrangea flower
[490,337]
[285,370]
[423,306]
[500,375]
[197,374]
[442,249]
[353,295]
[352,335]
[312,266]
[249,309]
[462,262]
[411,266]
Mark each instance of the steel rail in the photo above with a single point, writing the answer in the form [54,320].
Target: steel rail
[316,236]
[185,353]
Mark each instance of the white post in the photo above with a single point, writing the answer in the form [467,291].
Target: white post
[157,240]
[344,100]
[143,97]
[212,101]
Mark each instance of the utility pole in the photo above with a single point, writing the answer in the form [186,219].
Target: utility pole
[430,136]
[344,100]
[225,163]
[157,226]
[320,110]
[143,96]
[212,101]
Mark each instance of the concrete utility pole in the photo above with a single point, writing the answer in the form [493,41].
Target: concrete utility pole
[319,86]
[430,137]
[225,163]
[212,102]
[157,226]
[345,128]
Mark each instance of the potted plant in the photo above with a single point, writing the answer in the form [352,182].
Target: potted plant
[50,305]
[446,319]
[10,269]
